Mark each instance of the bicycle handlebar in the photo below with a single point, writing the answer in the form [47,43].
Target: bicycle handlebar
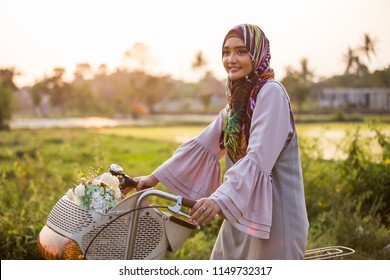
[187,202]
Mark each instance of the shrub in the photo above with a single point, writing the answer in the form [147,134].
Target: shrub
[348,200]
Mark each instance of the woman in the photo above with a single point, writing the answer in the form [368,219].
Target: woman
[262,195]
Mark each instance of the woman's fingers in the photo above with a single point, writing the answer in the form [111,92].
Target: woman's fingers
[207,216]
[204,211]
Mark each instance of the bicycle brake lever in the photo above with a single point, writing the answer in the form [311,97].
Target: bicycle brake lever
[176,209]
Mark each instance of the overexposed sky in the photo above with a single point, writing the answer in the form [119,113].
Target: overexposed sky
[38,35]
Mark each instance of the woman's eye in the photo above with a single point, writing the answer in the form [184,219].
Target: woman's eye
[242,52]
[225,53]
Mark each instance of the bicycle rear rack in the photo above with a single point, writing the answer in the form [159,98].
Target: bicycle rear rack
[330,252]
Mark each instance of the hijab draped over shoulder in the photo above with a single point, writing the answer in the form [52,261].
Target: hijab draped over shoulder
[241,94]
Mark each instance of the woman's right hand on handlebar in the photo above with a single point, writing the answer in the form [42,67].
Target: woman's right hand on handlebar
[146,182]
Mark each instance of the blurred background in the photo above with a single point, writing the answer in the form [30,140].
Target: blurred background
[87,83]
[120,58]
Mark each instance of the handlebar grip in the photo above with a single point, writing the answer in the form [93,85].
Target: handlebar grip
[128,182]
[188,202]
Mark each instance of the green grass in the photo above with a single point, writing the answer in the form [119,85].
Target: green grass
[38,166]
[331,137]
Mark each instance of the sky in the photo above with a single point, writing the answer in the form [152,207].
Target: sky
[37,36]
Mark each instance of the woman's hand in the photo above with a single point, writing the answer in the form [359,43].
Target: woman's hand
[204,210]
[146,182]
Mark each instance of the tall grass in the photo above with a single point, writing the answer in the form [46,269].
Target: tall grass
[347,200]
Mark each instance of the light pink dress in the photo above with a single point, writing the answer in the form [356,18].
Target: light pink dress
[262,194]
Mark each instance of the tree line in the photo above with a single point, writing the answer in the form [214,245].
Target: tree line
[132,90]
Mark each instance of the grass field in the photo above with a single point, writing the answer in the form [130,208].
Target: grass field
[347,200]
[328,135]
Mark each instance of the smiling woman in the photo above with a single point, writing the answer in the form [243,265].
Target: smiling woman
[255,135]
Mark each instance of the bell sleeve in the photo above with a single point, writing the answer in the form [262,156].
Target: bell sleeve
[245,197]
[194,169]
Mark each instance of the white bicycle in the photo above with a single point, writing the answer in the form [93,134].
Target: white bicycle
[132,229]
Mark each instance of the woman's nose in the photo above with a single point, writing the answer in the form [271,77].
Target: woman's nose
[232,57]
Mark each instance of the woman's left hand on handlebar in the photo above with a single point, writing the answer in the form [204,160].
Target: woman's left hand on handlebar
[145,182]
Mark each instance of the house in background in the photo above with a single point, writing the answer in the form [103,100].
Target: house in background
[373,99]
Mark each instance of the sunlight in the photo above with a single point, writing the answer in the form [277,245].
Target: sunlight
[39,35]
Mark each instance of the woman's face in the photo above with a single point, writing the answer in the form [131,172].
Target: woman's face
[236,58]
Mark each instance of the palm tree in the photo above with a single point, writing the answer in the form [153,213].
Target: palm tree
[350,57]
[368,47]
[354,62]
[306,73]
[199,61]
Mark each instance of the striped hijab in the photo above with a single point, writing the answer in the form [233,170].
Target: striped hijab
[241,94]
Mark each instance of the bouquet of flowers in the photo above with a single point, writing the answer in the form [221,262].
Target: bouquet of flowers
[100,193]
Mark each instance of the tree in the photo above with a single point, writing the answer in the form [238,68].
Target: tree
[137,57]
[38,92]
[210,87]
[81,99]
[306,73]
[51,88]
[5,106]
[58,89]
[298,83]
[101,71]
[355,65]
[6,78]
[297,88]
[82,71]
[368,46]
[351,59]
[154,90]
[199,62]
[7,86]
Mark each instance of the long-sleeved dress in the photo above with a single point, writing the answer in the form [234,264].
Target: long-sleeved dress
[262,194]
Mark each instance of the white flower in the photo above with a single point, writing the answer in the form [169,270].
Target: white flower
[110,180]
[117,193]
[72,197]
[79,190]
[95,195]
[107,196]
[99,194]
[98,203]
[97,181]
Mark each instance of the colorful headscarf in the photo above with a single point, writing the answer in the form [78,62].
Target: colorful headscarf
[241,94]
